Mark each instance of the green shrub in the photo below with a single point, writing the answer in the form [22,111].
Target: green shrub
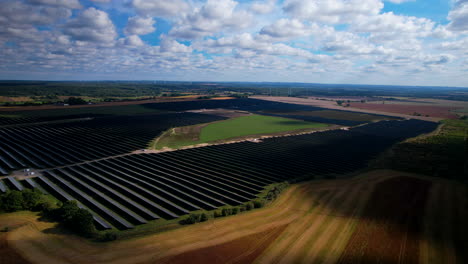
[249,206]
[82,222]
[191,219]
[257,204]
[217,214]
[109,236]
[226,212]
[235,210]
[203,217]
[46,206]
[67,210]
[76,219]
[12,201]
[31,198]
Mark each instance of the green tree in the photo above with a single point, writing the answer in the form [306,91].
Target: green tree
[76,101]
[68,210]
[12,201]
[31,198]
[82,222]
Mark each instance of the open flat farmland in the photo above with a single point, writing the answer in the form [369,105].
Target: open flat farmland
[321,104]
[238,127]
[252,125]
[313,222]
[424,110]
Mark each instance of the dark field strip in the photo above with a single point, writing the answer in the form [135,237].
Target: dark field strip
[52,145]
[142,187]
[265,108]
[390,228]
[27,117]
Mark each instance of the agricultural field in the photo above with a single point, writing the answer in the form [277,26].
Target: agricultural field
[436,110]
[370,218]
[238,127]
[332,212]
[445,112]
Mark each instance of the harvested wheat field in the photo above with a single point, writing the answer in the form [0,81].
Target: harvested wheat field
[424,110]
[378,217]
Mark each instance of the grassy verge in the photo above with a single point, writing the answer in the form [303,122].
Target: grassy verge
[230,129]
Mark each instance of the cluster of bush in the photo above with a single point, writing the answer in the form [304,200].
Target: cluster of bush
[76,219]
[195,218]
[270,195]
[226,211]
[27,199]
[274,192]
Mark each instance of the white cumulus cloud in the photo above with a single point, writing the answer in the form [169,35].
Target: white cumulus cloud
[140,26]
[92,25]
[161,8]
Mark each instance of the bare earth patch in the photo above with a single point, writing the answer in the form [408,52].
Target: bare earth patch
[390,227]
[242,250]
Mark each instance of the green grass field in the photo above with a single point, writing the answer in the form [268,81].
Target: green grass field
[233,128]
[252,125]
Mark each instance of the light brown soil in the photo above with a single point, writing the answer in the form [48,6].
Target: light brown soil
[390,228]
[7,254]
[242,250]
[432,111]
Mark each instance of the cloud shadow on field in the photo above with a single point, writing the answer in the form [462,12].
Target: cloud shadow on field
[398,204]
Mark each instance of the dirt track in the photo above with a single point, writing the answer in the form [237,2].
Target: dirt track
[312,223]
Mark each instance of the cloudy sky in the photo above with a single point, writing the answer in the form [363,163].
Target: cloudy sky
[408,42]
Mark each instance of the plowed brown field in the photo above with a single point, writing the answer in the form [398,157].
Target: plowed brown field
[425,110]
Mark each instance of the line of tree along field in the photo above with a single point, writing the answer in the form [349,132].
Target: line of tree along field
[103,89]
[443,154]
